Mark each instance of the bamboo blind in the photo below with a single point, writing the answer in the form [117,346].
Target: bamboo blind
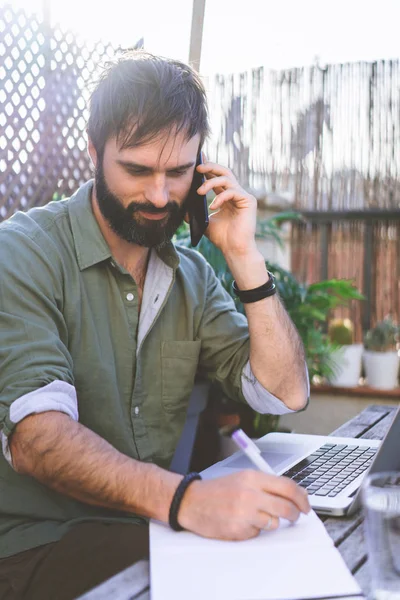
[325,139]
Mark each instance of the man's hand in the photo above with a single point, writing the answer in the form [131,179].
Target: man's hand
[240,505]
[232,227]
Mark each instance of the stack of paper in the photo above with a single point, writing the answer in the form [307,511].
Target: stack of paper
[291,563]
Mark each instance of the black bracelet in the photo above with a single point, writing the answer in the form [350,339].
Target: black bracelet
[264,291]
[177,499]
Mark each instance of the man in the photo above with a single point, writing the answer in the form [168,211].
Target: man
[103,326]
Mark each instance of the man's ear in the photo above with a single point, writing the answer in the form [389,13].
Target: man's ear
[92,152]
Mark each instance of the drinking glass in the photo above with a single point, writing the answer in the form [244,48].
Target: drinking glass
[381,503]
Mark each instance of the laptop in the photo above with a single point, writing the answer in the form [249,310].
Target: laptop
[330,468]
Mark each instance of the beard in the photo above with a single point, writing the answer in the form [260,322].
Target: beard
[132,228]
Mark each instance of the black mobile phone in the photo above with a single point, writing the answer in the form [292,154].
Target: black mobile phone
[197,207]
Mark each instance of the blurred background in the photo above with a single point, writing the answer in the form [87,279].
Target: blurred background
[305,108]
[255,33]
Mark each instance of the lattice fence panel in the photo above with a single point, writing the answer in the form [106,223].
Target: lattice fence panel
[44,85]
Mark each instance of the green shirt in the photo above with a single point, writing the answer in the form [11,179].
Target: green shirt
[71,338]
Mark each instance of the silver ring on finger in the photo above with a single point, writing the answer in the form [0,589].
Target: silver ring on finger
[268,524]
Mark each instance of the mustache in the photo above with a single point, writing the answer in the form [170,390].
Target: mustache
[148,207]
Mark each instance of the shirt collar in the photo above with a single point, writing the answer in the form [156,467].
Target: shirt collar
[90,245]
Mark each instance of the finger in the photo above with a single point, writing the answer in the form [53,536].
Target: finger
[266,521]
[214,183]
[215,169]
[279,507]
[222,198]
[286,488]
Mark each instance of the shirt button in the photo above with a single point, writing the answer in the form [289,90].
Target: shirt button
[130,297]
[136,410]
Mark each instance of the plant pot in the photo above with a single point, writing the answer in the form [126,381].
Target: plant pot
[347,365]
[381,369]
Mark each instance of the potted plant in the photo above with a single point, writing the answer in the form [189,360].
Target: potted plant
[381,358]
[346,356]
[309,307]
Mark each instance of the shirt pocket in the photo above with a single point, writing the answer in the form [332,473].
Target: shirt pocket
[179,362]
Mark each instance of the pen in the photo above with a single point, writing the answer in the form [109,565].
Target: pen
[253,452]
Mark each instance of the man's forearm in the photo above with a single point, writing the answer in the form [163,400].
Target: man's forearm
[276,350]
[75,461]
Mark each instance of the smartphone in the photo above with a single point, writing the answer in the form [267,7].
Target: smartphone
[197,207]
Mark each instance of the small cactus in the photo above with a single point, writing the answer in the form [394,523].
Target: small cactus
[341,332]
[383,337]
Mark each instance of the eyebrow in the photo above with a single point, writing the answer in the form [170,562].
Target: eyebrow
[127,164]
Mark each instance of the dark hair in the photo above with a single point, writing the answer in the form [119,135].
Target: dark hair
[139,95]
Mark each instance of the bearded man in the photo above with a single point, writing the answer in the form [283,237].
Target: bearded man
[104,324]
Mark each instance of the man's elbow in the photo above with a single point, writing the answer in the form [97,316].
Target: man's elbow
[295,398]
[297,402]
[19,459]
[23,443]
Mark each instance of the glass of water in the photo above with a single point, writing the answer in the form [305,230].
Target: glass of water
[381,502]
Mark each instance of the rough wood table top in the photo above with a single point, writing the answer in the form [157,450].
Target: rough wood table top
[346,532]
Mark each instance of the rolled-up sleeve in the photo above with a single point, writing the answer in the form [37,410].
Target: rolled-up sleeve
[58,395]
[35,364]
[260,399]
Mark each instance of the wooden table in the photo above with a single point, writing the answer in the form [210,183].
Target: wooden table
[347,532]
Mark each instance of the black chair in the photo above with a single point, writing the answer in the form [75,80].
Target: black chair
[184,450]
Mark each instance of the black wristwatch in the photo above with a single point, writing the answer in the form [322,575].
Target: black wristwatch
[256,294]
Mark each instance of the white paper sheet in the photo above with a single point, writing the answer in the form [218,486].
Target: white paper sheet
[293,562]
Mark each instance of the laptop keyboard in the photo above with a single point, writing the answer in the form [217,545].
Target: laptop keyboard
[328,470]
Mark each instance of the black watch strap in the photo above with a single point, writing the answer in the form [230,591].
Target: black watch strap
[256,294]
[177,499]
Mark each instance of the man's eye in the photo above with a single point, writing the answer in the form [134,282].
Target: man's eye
[177,172]
[136,171]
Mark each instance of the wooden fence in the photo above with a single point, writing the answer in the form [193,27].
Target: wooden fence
[326,142]
[360,245]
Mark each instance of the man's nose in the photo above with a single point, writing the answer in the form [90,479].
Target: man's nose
[157,191]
